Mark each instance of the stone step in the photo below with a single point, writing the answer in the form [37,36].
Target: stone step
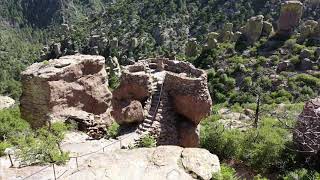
[147,121]
[144,128]
[146,125]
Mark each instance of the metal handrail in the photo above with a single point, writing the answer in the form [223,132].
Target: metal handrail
[158,104]
[82,155]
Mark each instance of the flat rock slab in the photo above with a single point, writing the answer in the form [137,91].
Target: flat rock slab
[163,162]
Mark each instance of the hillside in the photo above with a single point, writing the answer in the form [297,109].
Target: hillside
[239,70]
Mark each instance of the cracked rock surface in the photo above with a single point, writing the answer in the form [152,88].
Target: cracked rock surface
[163,162]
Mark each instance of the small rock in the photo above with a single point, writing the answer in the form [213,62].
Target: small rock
[6,102]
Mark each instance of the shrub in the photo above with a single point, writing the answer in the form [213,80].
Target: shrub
[218,140]
[147,141]
[11,123]
[242,97]
[302,174]
[281,96]
[226,173]
[295,60]
[290,43]
[275,59]
[3,146]
[42,146]
[263,149]
[114,82]
[113,130]
[307,80]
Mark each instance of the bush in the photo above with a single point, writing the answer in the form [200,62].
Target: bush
[114,82]
[307,80]
[263,149]
[218,140]
[43,146]
[11,123]
[3,147]
[147,141]
[113,130]
[226,173]
[295,60]
[302,174]
[281,96]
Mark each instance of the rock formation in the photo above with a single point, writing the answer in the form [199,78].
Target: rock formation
[192,47]
[70,88]
[160,163]
[306,133]
[174,96]
[6,102]
[212,41]
[310,30]
[253,29]
[267,28]
[290,16]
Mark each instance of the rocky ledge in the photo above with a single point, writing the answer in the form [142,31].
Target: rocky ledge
[163,162]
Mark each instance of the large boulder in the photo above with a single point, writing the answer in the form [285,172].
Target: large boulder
[189,134]
[290,16]
[267,28]
[6,102]
[193,157]
[306,132]
[253,28]
[57,89]
[130,112]
[163,162]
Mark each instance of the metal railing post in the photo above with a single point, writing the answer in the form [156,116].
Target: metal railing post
[10,160]
[54,172]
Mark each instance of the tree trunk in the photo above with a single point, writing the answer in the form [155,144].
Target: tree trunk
[256,118]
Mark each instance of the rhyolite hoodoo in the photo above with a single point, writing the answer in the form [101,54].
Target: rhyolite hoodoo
[167,98]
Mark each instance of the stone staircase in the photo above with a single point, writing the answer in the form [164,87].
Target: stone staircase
[153,108]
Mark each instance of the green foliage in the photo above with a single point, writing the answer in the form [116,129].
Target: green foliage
[43,146]
[18,49]
[224,143]
[113,130]
[295,60]
[263,149]
[3,146]
[302,174]
[220,86]
[206,59]
[226,173]
[281,96]
[11,124]
[308,80]
[147,141]
[114,82]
